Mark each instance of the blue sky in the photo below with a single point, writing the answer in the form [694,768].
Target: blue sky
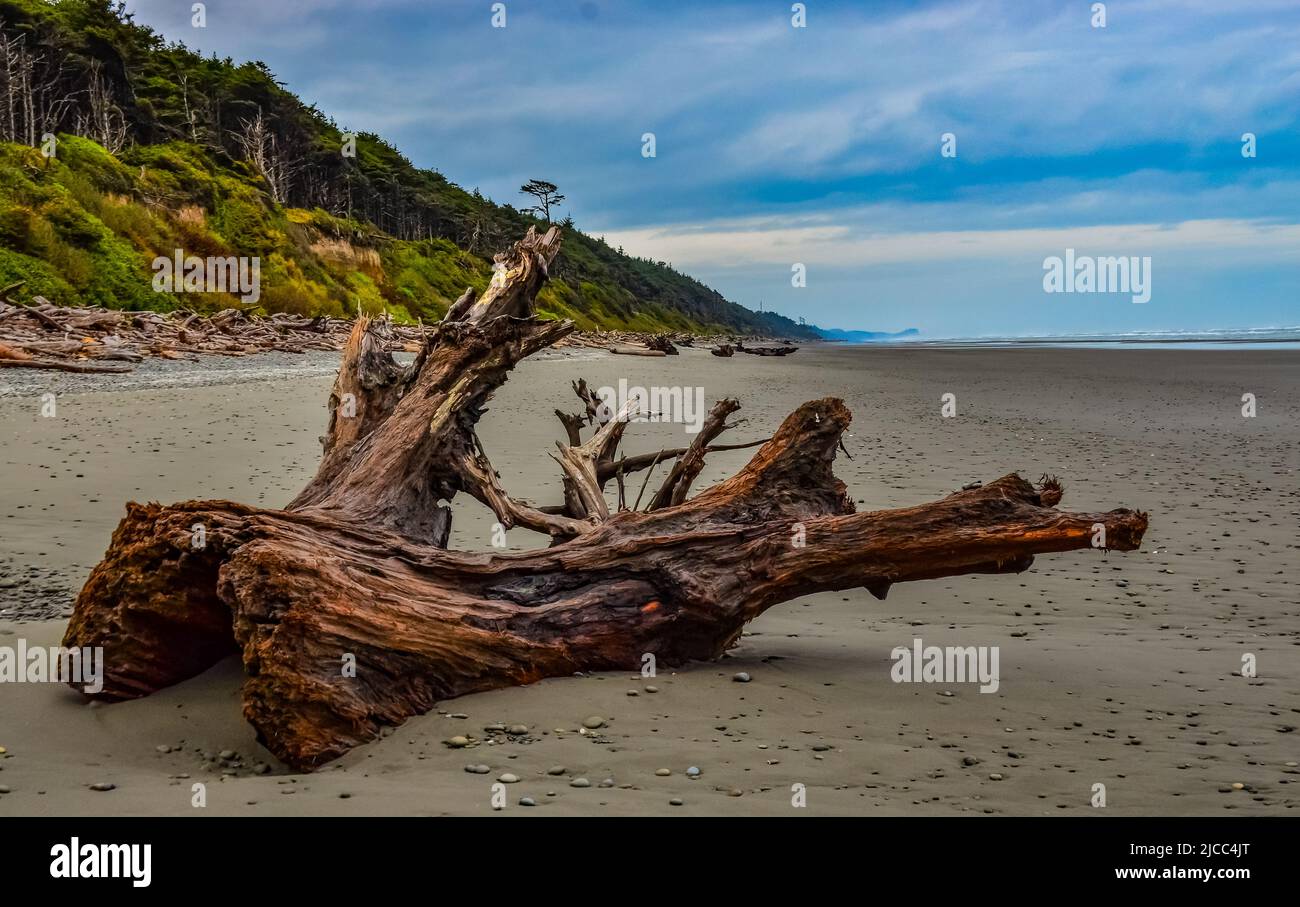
[821,145]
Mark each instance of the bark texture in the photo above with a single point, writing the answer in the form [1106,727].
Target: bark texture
[356,569]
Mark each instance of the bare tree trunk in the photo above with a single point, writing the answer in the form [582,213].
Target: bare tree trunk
[355,570]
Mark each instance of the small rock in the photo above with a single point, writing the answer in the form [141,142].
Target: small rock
[593,722]
[103,786]
[508,778]
[527,801]
[477,769]
[4,789]
[675,801]
[345,796]
[457,742]
[652,689]
[742,677]
[969,760]
[163,748]
[556,770]
[995,776]
[518,729]
[227,754]
[692,772]
[579,782]
[1238,786]
[663,772]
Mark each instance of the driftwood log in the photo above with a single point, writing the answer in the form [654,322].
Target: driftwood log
[663,343]
[784,350]
[356,568]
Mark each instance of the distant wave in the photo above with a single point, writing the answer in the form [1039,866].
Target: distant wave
[1226,336]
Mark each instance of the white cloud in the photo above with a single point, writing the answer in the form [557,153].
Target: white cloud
[764,241]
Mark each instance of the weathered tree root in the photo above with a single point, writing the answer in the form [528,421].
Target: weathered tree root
[356,567]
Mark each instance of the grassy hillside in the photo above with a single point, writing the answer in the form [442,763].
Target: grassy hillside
[83,227]
[161,149]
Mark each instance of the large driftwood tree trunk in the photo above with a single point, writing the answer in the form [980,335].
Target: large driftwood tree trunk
[356,565]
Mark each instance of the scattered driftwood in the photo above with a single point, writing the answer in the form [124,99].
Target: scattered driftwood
[60,337]
[355,570]
[64,338]
[18,358]
[726,350]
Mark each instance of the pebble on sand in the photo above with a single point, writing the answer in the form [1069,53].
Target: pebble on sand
[692,772]
[663,772]
[742,677]
[579,782]
[477,769]
[593,722]
[527,801]
[508,778]
[457,742]
[556,770]
[103,785]
[675,801]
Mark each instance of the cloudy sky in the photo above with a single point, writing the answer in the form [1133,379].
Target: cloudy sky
[821,145]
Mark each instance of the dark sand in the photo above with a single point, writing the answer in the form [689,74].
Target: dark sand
[1120,669]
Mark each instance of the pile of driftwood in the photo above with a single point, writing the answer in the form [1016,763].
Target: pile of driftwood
[43,335]
[603,340]
[628,343]
[81,339]
[356,569]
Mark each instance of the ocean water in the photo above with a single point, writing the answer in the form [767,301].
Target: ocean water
[1250,338]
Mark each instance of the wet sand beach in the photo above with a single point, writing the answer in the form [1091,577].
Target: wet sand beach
[1116,669]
